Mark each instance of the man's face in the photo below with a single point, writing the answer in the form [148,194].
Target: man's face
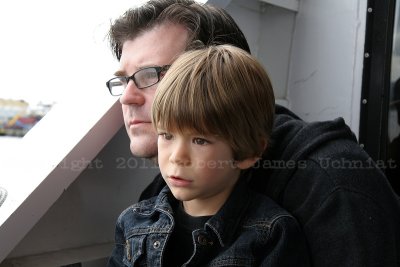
[157,47]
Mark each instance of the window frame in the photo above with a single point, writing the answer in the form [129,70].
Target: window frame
[375,94]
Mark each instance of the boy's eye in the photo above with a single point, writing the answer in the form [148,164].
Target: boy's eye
[200,141]
[166,136]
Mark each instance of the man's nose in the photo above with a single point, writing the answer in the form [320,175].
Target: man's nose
[132,95]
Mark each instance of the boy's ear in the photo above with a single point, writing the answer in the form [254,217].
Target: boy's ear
[249,162]
[246,163]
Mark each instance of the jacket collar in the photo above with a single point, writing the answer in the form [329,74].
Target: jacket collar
[224,224]
[227,220]
[165,200]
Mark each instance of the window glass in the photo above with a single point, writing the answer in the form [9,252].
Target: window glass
[52,52]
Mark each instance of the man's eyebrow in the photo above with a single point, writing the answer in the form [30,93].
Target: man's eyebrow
[123,73]
[120,73]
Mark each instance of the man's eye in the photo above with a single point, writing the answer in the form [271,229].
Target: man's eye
[200,141]
[150,75]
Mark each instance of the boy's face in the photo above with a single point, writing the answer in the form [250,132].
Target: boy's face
[199,170]
[156,47]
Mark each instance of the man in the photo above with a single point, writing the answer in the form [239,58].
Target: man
[316,171]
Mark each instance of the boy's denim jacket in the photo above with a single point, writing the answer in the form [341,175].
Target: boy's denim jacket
[249,230]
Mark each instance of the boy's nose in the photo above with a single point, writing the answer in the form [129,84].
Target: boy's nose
[180,155]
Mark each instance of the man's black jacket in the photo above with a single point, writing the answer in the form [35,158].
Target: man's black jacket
[317,171]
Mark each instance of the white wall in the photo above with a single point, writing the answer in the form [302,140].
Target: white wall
[326,62]
[269,31]
[80,225]
[314,56]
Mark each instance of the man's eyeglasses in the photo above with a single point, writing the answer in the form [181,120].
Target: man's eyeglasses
[142,78]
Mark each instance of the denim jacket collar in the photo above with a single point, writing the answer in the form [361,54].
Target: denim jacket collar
[226,221]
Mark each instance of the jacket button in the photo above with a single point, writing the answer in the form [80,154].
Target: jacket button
[203,240]
[156,244]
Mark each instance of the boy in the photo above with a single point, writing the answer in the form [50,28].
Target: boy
[213,112]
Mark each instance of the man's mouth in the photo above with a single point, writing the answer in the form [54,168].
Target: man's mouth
[137,122]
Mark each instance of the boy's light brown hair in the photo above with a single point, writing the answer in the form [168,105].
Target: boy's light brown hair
[219,90]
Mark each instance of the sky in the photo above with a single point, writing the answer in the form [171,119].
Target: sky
[55,50]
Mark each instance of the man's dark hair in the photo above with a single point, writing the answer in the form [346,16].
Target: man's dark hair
[206,24]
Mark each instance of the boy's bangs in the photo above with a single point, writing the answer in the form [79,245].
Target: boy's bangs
[181,113]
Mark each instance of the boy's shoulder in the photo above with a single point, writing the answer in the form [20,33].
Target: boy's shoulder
[146,206]
[143,206]
[140,218]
